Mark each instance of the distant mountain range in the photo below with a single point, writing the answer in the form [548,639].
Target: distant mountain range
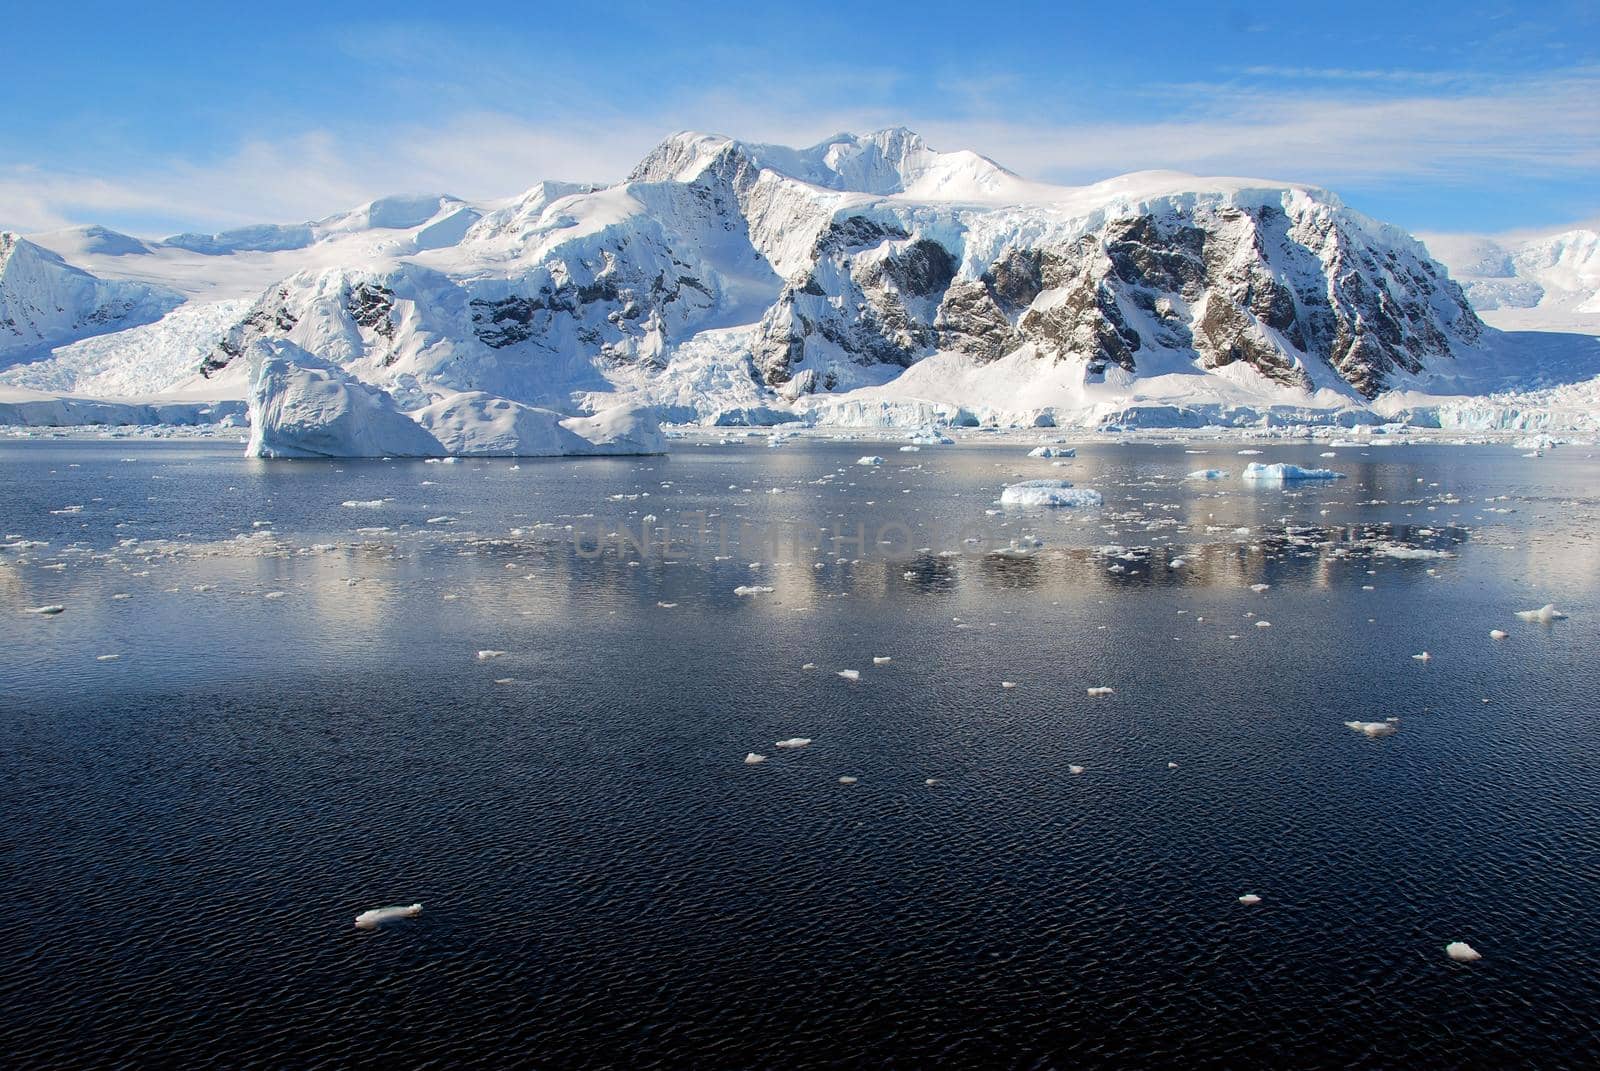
[864,280]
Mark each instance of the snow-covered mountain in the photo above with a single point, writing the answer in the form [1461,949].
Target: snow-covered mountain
[1547,282]
[44,301]
[862,280]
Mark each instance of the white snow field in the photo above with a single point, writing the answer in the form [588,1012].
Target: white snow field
[867,281]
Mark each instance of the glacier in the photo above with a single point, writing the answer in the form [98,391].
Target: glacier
[864,282]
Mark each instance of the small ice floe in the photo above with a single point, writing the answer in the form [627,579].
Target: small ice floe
[484,656]
[1053,493]
[1280,473]
[108,658]
[1248,453]
[667,605]
[751,589]
[1207,474]
[121,596]
[1462,952]
[809,665]
[752,758]
[1544,614]
[871,459]
[1497,634]
[794,742]
[1074,770]
[1172,766]
[881,660]
[1008,685]
[933,782]
[847,780]
[1373,729]
[1250,899]
[1263,624]
[46,611]
[506,680]
[371,920]
[1327,453]
[1259,588]
[274,595]
[362,503]
[910,449]
[850,674]
[1052,451]
[1423,657]
[1098,692]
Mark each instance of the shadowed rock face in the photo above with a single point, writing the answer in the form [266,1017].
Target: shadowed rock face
[1216,285]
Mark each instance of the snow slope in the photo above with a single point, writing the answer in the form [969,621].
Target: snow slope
[1543,283]
[44,301]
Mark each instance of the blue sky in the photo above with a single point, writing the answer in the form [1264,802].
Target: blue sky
[1460,117]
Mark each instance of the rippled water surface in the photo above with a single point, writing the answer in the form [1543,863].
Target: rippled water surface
[297,727]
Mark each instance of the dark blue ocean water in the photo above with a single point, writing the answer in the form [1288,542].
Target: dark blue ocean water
[187,832]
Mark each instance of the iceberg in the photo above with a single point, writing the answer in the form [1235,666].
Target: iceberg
[303,406]
[1462,952]
[371,920]
[1373,729]
[1052,451]
[475,424]
[1280,472]
[1053,493]
[1543,615]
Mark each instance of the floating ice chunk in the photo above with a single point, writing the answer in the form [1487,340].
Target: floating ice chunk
[1497,634]
[850,674]
[274,595]
[1097,692]
[794,742]
[1250,899]
[1052,451]
[910,449]
[1259,588]
[1248,453]
[752,758]
[362,503]
[1462,952]
[847,780]
[809,665]
[871,459]
[1008,684]
[881,660]
[1263,624]
[1208,474]
[1074,770]
[121,595]
[1280,472]
[108,658]
[667,605]
[751,589]
[1373,729]
[46,611]
[484,656]
[1544,614]
[1049,493]
[371,920]
[1172,766]
[933,781]
[1423,657]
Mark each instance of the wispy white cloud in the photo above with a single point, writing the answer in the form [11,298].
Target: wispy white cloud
[1540,126]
